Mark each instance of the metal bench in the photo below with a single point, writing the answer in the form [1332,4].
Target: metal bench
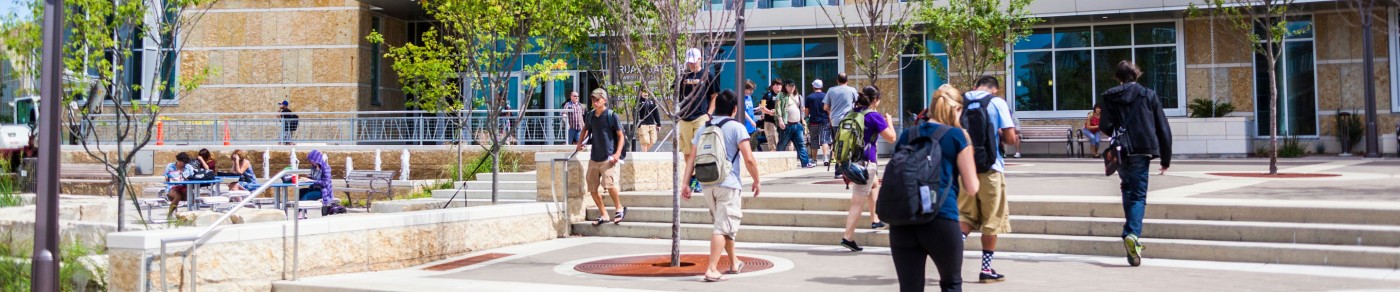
[1052,134]
[1080,139]
[369,182]
[86,174]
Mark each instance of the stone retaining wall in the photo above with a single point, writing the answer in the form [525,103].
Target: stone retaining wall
[250,256]
[426,162]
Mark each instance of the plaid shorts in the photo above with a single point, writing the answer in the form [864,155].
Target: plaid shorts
[819,134]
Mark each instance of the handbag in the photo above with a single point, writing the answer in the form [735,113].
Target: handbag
[1113,154]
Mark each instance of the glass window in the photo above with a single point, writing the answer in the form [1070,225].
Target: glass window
[787,48]
[911,88]
[1034,81]
[756,49]
[1039,39]
[1159,73]
[818,69]
[1072,67]
[1105,63]
[1297,107]
[1072,37]
[788,70]
[1155,33]
[823,47]
[1113,35]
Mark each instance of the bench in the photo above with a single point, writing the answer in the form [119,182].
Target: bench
[369,182]
[1053,134]
[86,174]
[1081,140]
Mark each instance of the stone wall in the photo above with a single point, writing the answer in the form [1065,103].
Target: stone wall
[251,256]
[426,162]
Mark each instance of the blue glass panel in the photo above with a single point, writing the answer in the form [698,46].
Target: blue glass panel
[1034,86]
[1072,37]
[756,49]
[1072,67]
[787,48]
[935,47]
[911,89]
[1113,35]
[1039,39]
[1155,33]
[821,47]
[1159,72]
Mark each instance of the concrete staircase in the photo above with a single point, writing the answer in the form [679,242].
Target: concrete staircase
[512,186]
[1355,236]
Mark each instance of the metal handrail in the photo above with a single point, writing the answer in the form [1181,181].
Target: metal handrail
[202,236]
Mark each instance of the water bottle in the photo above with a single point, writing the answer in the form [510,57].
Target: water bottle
[694,185]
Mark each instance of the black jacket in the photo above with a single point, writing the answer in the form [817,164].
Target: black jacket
[1138,110]
[647,112]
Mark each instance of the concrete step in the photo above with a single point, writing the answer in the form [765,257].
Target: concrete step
[398,206]
[1184,249]
[1310,233]
[503,185]
[510,176]
[1292,213]
[485,194]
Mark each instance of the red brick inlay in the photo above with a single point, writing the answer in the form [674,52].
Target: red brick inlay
[1280,175]
[467,261]
[660,266]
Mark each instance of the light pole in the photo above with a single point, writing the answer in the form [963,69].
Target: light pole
[45,273]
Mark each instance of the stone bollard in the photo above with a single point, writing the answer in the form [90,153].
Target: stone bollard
[403,165]
[378,161]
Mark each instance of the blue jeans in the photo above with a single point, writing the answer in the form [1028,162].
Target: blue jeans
[795,134]
[1092,137]
[573,136]
[1134,186]
[309,195]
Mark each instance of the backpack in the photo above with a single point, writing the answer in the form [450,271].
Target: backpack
[710,167]
[293,121]
[200,172]
[978,123]
[911,193]
[848,147]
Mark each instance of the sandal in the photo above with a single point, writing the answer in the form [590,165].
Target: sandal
[617,218]
[715,279]
[736,269]
[600,221]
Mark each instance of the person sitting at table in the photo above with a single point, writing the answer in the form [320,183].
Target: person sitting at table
[177,171]
[207,158]
[243,169]
[320,178]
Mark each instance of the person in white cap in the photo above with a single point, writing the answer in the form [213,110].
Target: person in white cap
[819,123]
[697,88]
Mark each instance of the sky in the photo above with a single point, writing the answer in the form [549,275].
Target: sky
[8,6]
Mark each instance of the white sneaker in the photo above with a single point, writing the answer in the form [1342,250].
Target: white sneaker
[1018,155]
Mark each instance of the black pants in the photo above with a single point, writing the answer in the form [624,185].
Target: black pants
[940,240]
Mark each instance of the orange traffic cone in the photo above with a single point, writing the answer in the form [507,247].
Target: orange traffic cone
[160,133]
[226,135]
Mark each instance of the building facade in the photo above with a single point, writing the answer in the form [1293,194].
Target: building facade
[314,54]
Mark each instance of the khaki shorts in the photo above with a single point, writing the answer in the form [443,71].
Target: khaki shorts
[601,173]
[726,205]
[987,210]
[646,134]
[864,190]
[687,134]
[770,131]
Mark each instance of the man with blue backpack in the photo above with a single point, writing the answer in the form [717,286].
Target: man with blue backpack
[989,124]
[714,162]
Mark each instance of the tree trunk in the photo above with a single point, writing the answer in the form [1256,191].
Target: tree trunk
[495,171]
[676,200]
[1273,114]
[121,196]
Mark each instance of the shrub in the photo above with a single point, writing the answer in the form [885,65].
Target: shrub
[1291,148]
[1205,108]
[15,268]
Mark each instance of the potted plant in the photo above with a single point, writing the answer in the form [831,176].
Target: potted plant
[1348,131]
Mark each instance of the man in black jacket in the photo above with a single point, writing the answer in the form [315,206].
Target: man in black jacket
[1133,115]
[648,119]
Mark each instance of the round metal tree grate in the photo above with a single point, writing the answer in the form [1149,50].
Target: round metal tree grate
[660,266]
[1280,175]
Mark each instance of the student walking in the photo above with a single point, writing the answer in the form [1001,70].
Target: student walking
[697,88]
[604,133]
[790,123]
[750,121]
[290,121]
[857,159]
[939,237]
[818,123]
[987,120]
[716,164]
[1135,118]
[839,101]
[768,106]
[649,118]
[573,116]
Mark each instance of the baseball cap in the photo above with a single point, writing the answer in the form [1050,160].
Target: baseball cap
[692,56]
[283,103]
[817,83]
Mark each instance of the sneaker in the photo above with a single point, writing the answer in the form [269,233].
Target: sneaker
[1134,248]
[1018,155]
[827,163]
[851,245]
[878,225]
[809,165]
[990,276]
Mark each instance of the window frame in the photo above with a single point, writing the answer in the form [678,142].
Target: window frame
[1254,86]
[1393,34]
[1179,45]
[804,88]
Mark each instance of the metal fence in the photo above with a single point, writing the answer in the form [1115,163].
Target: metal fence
[537,127]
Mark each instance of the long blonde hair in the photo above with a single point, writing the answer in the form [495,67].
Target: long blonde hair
[947,107]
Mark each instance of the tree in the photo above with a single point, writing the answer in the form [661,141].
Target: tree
[469,57]
[116,117]
[974,33]
[878,32]
[1263,24]
[1366,16]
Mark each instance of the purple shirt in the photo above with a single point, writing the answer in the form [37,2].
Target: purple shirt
[874,124]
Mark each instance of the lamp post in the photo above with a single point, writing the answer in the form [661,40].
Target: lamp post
[46,253]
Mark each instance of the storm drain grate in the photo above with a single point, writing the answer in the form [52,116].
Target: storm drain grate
[660,266]
[467,261]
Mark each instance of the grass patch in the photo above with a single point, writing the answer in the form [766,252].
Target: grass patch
[15,269]
[9,187]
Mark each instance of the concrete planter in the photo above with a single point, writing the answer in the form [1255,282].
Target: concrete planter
[1214,137]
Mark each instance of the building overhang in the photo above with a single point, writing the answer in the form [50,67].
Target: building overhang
[407,10]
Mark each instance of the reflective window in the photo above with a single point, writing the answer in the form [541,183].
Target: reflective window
[1297,98]
[919,78]
[1067,68]
[797,59]
[787,48]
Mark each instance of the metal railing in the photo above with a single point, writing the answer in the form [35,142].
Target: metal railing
[197,239]
[537,127]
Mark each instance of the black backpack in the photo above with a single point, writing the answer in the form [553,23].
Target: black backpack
[911,193]
[978,123]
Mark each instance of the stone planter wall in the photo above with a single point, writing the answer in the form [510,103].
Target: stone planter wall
[1211,137]
[426,162]
[248,257]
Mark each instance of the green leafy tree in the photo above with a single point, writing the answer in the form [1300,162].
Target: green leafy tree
[974,33]
[1263,24]
[469,56]
[112,118]
[877,29]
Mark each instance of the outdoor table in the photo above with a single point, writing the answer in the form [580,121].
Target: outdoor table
[280,192]
[190,199]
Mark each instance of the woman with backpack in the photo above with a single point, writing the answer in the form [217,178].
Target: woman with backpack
[940,237]
[871,124]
